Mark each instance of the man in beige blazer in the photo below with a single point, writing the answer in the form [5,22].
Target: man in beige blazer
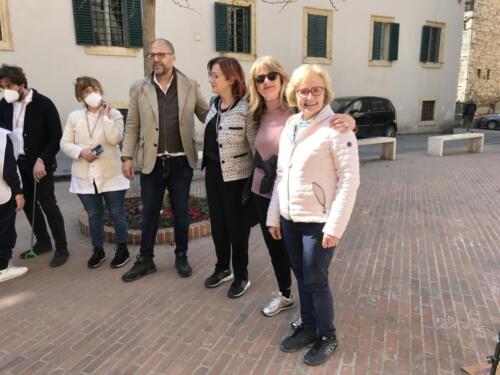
[160,131]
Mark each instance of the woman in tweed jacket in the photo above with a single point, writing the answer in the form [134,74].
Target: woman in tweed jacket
[228,157]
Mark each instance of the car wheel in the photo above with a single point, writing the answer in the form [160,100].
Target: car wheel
[390,131]
[492,125]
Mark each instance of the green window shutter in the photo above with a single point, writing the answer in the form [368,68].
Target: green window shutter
[377,40]
[434,45]
[316,35]
[83,22]
[134,23]
[246,30]
[394,41]
[424,46]
[221,42]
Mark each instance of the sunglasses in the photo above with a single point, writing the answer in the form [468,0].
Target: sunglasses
[271,76]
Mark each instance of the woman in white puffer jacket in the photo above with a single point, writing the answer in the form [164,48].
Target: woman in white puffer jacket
[314,194]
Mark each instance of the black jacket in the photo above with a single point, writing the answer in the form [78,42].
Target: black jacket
[42,129]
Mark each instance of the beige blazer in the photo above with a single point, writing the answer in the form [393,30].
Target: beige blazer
[108,133]
[141,129]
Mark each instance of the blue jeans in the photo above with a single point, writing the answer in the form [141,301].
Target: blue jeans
[310,262]
[93,204]
[173,174]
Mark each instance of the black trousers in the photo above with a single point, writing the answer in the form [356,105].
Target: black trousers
[46,203]
[277,249]
[7,231]
[230,228]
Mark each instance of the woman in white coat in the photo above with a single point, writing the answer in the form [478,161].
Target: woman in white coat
[313,197]
[91,138]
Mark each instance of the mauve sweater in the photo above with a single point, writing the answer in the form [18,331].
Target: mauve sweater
[268,138]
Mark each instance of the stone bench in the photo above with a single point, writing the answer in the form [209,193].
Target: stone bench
[388,146]
[435,144]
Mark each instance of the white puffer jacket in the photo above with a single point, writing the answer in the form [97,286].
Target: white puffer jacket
[317,177]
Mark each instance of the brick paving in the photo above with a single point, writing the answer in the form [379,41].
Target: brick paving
[414,281]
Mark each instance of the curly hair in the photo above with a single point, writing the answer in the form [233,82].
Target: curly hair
[82,83]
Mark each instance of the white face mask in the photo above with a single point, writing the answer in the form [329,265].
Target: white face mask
[93,100]
[10,96]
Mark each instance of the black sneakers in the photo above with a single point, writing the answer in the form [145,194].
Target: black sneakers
[37,249]
[218,277]
[302,337]
[98,256]
[60,258]
[238,288]
[121,257]
[142,266]
[182,265]
[322,349]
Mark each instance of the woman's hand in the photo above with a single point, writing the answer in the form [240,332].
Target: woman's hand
[88,155]
[105,108]
[275,232]
[329,241]
[343,123]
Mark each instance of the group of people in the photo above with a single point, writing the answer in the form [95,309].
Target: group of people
[274,153]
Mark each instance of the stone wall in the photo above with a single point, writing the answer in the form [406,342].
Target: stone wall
[483,71]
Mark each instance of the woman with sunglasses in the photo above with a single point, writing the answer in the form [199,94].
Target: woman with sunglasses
[313,198]
[228,158]
[269,110]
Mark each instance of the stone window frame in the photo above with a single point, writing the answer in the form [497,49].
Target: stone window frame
[253,34]
[373,19]
[421,105]
[6,41]
[440,62]
[329,40]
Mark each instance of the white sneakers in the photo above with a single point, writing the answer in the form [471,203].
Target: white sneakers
[11,272]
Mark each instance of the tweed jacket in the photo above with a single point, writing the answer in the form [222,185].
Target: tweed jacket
[141,129]
[108,133]
[236,138]
[317,176]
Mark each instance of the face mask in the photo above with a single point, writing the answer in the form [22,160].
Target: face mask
[93,100]
[10,96]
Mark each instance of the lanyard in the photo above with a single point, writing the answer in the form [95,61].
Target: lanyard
[91,133]
[20,114]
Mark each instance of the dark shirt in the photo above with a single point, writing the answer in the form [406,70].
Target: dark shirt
[169,136]
[210,144]
[10,175]
[42,129]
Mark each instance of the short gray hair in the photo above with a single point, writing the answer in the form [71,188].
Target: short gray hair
[168,43]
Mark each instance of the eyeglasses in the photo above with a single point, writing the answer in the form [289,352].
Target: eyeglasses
[271,76]
[315,91]
[160,55]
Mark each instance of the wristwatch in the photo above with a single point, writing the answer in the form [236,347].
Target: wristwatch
[125,158]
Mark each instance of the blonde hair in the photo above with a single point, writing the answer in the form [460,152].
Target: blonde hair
[82,83]
[300,74]
[256,104]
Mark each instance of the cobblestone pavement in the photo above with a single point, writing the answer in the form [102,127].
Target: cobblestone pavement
[416,283]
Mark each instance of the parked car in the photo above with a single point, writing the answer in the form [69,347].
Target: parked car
[375,117]
[491,122]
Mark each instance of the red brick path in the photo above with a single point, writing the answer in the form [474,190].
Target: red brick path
[416,283]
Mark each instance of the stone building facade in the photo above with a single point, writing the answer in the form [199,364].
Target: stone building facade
[479,76]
